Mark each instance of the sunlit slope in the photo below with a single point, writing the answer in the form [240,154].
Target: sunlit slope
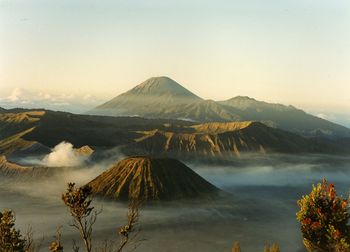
[16,144]
[222,139]
[35,132]
[12,170]
[149,179]
[14,126]
[215,128]
[15,122]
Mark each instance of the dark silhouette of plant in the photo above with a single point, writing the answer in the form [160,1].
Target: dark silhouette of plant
[11,239]
[323,217]
[78,201]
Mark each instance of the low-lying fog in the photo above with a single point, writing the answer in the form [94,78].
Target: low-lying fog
[260,210]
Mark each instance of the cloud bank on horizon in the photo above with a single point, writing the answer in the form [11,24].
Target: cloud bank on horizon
[24,98]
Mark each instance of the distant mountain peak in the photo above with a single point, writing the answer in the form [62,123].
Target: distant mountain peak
[162,97]
[154,94]
[240,97]
[160,86]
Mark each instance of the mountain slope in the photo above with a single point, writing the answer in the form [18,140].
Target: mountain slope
[149,179]
[36,131]
[200,111]
[13,123]
[153,95]
[284,117]
[12,170]
[161,97]
[224,139]
[14,126]
[138,136]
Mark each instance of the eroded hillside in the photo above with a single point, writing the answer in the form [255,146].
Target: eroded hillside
[148,179]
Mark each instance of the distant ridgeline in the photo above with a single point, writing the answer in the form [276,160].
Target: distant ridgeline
[35,132]
[162,97]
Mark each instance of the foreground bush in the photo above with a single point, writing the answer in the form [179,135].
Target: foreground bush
[11,239]
[324,219]
[78,200]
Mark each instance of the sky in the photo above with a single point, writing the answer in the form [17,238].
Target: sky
[71,52]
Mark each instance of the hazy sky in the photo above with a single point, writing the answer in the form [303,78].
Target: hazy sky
[288,51]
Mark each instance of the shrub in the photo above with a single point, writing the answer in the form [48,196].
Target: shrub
[11,239]
[78,201]
[323,217]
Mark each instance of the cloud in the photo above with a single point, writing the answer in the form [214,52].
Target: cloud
[15,95]
[63,154]
[21,97]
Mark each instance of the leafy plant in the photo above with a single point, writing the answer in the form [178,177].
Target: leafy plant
[324,219]
[78,201]
[11,239]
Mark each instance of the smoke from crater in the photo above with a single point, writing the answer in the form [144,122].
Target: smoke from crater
[63,154]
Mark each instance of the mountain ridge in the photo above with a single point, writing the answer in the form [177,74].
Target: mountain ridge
[217,140]
[165,137]
[154,99]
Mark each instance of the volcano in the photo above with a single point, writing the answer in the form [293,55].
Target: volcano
[164,98]
[151,179]
[155,95]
